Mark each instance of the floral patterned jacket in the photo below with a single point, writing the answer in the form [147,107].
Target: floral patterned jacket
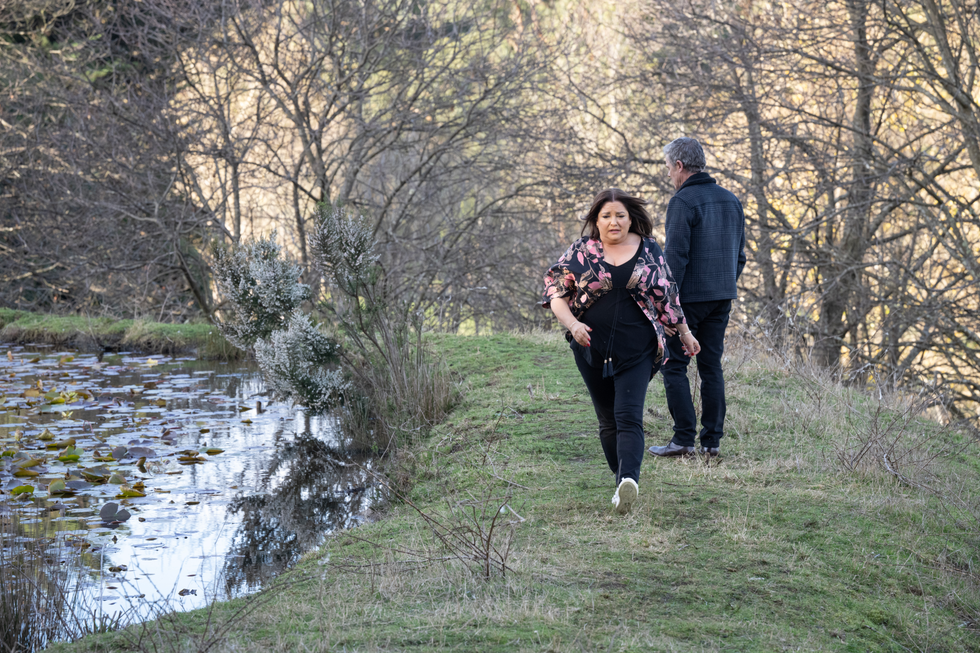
[582,276]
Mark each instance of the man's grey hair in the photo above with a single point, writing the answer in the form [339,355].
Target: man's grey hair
[686,150]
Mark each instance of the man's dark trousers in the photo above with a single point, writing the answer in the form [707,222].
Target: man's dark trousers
[707,321]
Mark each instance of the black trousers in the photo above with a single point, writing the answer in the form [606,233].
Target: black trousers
[707,321]
[618,402]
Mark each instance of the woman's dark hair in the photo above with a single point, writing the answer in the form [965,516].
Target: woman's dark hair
[640,222]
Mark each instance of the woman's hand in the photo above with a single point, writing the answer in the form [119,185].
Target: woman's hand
[690,344]
[580,332]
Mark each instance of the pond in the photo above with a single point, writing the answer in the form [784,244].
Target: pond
[223,489]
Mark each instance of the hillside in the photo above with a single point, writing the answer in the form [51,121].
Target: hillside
[792,540]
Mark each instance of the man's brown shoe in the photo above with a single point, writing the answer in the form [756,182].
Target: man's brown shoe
[671,449]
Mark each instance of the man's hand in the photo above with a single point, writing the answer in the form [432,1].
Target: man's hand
[670,331]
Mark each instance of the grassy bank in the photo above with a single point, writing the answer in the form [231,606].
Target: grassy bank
[108,334]
[833,521]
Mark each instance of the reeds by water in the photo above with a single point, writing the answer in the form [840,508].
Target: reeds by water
[31,600]
[39,603]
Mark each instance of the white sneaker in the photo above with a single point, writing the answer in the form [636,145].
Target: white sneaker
[625,495]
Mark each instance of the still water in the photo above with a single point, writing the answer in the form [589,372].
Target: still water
[236,488]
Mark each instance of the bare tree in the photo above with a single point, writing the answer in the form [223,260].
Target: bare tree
[419,117]
[848,129]
[93,218]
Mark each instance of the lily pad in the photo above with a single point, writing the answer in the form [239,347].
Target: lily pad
[112,514]
[46,436]
[22,489]
[98,474]
[69,455]
[130,492]
[117,478]
[58,486]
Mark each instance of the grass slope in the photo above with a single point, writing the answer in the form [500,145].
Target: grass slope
[106,333]
[779,547]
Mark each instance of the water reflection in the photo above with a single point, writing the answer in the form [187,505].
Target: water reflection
[309,490]
[275,483]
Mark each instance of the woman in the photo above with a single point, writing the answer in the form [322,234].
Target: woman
[613,291]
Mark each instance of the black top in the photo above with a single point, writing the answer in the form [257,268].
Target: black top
[620,329]
[705,246]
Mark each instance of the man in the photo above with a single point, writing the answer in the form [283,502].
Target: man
[705,251]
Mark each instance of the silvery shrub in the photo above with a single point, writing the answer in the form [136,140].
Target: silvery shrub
[389,383]
[293,361]
[263,288]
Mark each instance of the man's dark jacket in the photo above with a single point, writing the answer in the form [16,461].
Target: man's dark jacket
[705,240]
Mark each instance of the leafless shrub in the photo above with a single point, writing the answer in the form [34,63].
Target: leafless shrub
[400,388]
[35,614]
[29,616]
[475,527]
[892,436]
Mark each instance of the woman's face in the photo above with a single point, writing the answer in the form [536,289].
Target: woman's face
[613,223]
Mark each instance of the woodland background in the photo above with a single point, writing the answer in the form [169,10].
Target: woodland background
[473,134]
